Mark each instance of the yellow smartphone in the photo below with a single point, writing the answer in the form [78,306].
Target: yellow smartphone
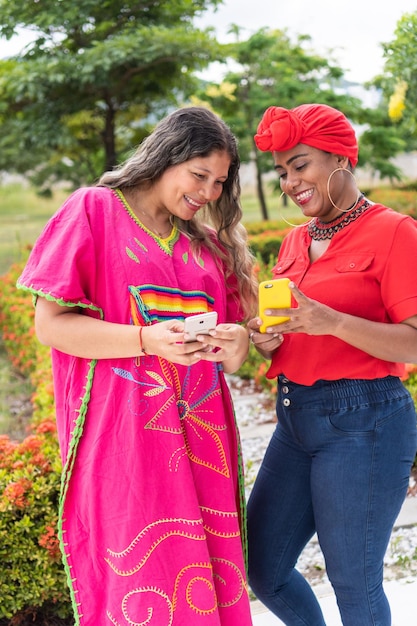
[273,294]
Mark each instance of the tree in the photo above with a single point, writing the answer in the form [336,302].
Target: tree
[96,76]
[398,83]
[272,70]
[379,142]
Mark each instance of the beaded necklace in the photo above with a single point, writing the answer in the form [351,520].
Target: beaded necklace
[319,230]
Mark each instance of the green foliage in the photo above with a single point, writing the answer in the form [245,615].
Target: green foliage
[31,573]
[400,68]
[266,245]
[266,226]
[255,366]
[411,381]
[85,90]
[379,142]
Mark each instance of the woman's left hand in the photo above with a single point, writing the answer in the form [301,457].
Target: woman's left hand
[228,344]
[310,317]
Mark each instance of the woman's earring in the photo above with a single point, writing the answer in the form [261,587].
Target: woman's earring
[290,223]
[342,169]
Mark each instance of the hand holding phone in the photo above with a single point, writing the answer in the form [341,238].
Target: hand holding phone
[273,294]
[200,324]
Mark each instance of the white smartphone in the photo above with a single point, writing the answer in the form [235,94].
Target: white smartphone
[200,324]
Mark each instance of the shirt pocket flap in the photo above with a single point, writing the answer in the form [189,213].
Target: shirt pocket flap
[282,266]
[356,262]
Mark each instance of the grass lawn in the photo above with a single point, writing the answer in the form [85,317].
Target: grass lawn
[23,214]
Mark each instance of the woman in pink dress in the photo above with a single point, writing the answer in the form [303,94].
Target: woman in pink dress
[152,513]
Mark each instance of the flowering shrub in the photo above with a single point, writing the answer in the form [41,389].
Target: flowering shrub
[401,200]
[266,245]
[31,572]
[255,366]
[32,577]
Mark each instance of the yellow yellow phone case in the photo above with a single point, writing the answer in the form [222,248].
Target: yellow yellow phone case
[273,294]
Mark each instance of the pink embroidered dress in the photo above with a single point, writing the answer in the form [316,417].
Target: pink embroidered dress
[152,506]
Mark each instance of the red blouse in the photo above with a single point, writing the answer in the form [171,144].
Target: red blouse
[369,270]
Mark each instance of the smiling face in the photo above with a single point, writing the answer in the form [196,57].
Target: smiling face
[185,188]
[304,173]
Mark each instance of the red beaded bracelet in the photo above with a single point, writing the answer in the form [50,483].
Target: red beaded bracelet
[142,349]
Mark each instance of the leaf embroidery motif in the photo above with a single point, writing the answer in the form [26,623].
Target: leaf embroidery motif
[154,392]
[132,255]
[156,377]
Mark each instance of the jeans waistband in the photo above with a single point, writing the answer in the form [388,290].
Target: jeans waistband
[375,390]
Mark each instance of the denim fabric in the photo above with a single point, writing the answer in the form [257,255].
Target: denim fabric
[337,464]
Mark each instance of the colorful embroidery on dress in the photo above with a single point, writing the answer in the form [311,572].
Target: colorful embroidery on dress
[142,251]
[185,405]
[156,303]
[194,420]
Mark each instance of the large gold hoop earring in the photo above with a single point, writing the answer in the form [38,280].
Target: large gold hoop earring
[342,169]
[290,223]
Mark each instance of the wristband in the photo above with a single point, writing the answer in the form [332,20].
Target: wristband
[142,349]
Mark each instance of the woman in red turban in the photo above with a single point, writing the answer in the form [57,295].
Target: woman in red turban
[339,461]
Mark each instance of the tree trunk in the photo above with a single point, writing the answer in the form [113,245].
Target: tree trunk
[109,138]
[260,191]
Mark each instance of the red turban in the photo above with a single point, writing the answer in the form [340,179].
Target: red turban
[316,125]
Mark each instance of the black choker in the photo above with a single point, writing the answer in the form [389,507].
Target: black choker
[319,230]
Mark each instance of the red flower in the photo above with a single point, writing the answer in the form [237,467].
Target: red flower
[16,492]
[410,368]
[47,426]
[50,542]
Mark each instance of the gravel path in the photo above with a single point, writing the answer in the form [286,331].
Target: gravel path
[255,413]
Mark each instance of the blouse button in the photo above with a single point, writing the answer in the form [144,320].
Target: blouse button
[352,265]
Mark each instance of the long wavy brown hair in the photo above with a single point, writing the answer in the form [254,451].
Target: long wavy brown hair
[185,134]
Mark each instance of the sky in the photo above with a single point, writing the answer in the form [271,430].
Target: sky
[353,29]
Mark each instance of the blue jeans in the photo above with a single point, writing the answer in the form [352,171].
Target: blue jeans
[338,464]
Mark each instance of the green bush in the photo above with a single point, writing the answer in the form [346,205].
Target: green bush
[258,228]
[31,572]
[266,246]
[265,239]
